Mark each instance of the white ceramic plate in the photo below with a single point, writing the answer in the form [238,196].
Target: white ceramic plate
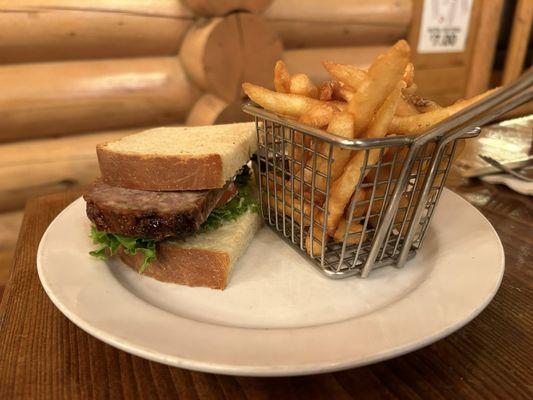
[278,316]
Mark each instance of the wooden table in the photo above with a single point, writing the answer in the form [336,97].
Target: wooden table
[43,355]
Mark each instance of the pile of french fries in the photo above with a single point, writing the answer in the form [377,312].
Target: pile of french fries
[356,103]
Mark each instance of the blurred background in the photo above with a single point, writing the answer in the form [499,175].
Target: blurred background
[76,73]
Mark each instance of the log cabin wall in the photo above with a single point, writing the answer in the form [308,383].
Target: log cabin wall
[77,73]
[74,75]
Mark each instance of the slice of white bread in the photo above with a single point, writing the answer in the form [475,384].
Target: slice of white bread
[205,259]
[178,158]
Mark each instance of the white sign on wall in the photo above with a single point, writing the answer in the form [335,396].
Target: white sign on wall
[444,26]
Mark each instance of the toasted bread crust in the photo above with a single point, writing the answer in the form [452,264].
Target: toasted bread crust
[160,173]
[185,266]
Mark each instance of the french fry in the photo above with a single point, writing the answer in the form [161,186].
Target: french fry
[417,124]
[301,84]
[379,82]
[342,92]
[354,232]
[356,104]
[315,247]
[347,74]
[281,77]
[317,117]
[343,188]
[385,170]
[342,125]
[296,212]
[405,109]
[275,185]
[295,84]
[361,204]
[274,181]
[339,105]
[353,76]
[325,90]
[281,103]
[409,74]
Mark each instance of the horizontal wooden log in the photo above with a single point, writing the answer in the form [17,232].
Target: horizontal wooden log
[47,99]
[210,8]
[309,61]
[318,23]
[209,110]
[218,54]
[51,161]
[48,30]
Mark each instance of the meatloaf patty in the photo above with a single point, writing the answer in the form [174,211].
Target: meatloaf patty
[148,214]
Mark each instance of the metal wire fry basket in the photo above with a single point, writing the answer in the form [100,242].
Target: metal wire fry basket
[385,222]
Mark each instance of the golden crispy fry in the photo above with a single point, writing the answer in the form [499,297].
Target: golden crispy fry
[343,188]
[354,232]
[275,185]
[281,103]
[301,84]
[385,170]
[339,105]
[316,247]
[347,74]
[342,125]
[361,207]
[380,81]
[380,123]
[325,90]
[409,74]
[420,123]
[364,194]
[405,109]
[277,201]
[274,181]
[317,117]
[281,78]
[342,92]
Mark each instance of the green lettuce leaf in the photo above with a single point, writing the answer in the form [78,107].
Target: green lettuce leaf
[109,244]
[237,206]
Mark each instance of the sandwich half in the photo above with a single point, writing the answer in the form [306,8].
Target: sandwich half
[185,158]
[176,204]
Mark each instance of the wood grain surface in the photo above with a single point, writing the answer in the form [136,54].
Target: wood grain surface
[318,23]
[43,355]
[51,30]
[220,53]
[50,99]
[518,42]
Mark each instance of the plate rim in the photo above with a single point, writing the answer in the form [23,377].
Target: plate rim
[264,370]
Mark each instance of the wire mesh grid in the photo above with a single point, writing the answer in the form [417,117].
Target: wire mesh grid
[297,174]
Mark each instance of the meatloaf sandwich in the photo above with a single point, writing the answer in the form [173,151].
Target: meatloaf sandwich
[176,204]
